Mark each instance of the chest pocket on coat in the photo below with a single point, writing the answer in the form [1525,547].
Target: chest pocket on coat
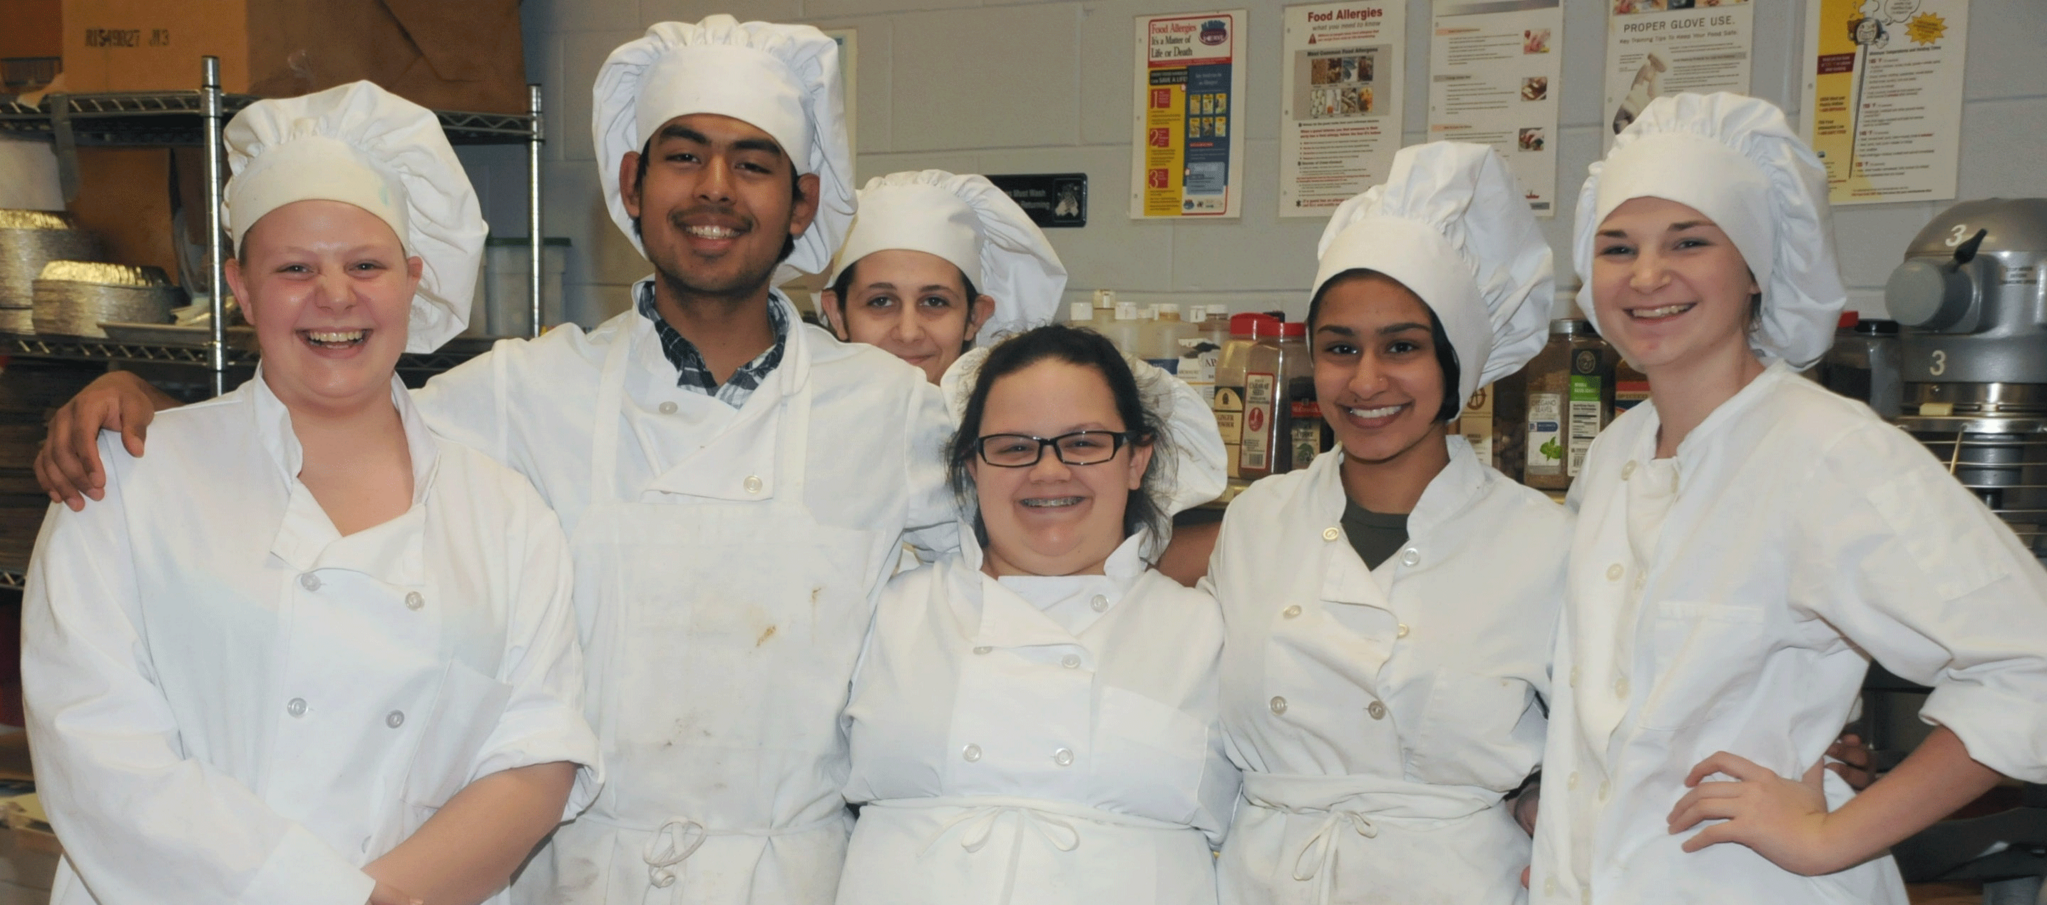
[465,713]
[1149,755]
[1703,653]
[1467,733]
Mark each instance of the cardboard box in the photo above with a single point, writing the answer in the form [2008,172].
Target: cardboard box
[30,28]
[443,54]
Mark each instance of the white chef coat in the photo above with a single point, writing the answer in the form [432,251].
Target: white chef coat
[727,564]
[1380,715]
[1038,739]
[231,702]
[1802,537]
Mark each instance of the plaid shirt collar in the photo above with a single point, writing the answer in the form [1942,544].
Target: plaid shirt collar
[691,373]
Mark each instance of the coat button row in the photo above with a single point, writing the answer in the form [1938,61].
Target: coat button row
[1620,688]
[1574,677]
[983,649]
[1571,782]
[1628,470]
[1278,705]
[971,753]
[1070,661]
[1099,603]
[1401,632]
[1290,612]
[752,483]
[1614,572]
[1063,757]
[295,707]
[395,719]
[414,601]
[668,408]
[1377,710]
[1411,557]
[1331,533]
[309,581]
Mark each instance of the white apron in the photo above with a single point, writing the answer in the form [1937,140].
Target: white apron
[730,624]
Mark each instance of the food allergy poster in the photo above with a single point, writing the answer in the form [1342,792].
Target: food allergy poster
[1187,157]
[1658,47]
[1493,80]
[1883,79]
[1340,117]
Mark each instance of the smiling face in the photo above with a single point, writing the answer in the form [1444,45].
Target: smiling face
[911,304]
[329,289]
[1052,518]
[717,203]
[1671,290]
[1376,370]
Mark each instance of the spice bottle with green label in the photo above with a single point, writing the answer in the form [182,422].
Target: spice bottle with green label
[1570,400]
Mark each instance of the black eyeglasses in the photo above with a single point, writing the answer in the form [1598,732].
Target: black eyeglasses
[1077,448]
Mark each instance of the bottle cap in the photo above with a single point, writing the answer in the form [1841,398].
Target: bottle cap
[1293,330]
[1253,325]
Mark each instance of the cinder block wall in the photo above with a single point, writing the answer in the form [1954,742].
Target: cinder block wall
[1041,87]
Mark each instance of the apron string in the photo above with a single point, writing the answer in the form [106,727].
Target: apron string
[980,825]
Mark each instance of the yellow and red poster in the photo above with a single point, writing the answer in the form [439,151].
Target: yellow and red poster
[1187,155]
[1883,83]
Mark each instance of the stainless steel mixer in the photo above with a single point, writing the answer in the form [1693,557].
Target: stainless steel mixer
[1971,297]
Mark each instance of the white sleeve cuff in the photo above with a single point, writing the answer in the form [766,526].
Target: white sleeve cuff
[304,869]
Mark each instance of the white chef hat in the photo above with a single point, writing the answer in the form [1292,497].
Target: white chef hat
[1199,469]
[1453,226]
[1736,160]
[781,79]
[966,220]
[360,144]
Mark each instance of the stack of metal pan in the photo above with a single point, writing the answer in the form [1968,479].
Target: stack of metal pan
[29,240]
[73,297]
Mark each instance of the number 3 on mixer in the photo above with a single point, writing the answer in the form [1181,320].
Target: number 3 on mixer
[1939,365]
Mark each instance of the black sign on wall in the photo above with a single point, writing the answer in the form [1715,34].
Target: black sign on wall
[1051,199]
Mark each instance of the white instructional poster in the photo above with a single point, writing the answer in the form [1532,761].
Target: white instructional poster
[1493,80]
[1340,118]
[1883,84]
[1187,152]
[1658,47]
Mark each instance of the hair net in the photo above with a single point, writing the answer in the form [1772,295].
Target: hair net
[964,219]
[1453,226]
[782,79]
[1736,160]
[360,144]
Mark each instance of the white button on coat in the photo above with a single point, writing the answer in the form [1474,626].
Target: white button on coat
[414,600]
[272,692]
[669,407]
[1444,720]
[1125,753]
